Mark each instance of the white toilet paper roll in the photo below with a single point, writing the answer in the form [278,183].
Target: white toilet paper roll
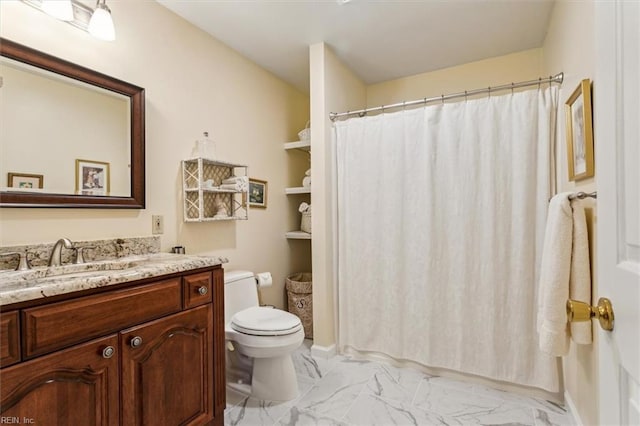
[264,279]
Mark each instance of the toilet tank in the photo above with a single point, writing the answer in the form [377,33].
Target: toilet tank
[240,292]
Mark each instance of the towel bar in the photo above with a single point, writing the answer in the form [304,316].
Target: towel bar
[580,311]
[582,195]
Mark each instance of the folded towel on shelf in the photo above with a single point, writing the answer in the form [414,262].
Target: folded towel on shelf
[236,179]
[239,186]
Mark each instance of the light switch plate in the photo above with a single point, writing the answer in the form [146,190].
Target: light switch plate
[157,224]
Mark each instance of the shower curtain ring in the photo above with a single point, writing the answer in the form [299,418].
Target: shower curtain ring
[442,98]
[539,82]
[512,87]
[489,91]
[465,96]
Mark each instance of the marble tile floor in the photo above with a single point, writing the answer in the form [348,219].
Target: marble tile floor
[342,391]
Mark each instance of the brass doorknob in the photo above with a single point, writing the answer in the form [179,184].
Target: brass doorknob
[580,311]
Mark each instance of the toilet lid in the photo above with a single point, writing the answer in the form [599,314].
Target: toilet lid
[265,322]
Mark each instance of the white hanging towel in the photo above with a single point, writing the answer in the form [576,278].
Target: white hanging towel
[562,275]
[580,281]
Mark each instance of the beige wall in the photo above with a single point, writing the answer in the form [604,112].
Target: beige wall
[520,66]
[193,83]
[334,88]
[570,47]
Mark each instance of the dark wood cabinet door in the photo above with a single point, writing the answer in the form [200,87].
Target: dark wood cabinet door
[9,338]
[76,386]
[167,370]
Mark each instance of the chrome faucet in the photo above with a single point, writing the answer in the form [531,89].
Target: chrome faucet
[56,252]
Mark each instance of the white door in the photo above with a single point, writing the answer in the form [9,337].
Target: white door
[617,138]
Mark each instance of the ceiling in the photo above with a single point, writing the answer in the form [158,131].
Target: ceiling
[378,40]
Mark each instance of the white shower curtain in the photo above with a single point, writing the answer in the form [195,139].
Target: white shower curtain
[441,214]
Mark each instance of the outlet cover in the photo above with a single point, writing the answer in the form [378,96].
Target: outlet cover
[157,224]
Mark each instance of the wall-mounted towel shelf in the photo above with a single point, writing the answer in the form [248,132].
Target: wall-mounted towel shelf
[303,145]
[203,200]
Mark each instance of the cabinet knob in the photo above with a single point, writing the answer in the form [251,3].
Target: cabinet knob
[203,290]
[136,342]
[108,352]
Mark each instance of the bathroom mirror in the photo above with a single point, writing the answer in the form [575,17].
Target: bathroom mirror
[70,136]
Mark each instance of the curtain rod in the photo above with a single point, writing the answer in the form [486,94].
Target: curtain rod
[362,112]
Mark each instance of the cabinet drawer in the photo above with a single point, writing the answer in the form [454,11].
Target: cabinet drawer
[55,326]
[197,289]
[9,338]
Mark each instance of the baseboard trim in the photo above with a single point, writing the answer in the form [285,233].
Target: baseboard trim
[572,409]
[324,352]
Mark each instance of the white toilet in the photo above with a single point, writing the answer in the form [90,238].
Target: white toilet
[266,335]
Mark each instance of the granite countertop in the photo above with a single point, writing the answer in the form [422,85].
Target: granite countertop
[42,282]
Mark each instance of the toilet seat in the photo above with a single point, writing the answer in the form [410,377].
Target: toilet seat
[260,321]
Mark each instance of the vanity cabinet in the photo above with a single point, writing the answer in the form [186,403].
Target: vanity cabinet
[150,353]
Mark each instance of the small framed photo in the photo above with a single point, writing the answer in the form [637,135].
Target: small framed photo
[92,177]
[580,132]
[257,193]
[25,181]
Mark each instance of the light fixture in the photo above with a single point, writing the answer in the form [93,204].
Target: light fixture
[60,9]
[101,24]
[96,22]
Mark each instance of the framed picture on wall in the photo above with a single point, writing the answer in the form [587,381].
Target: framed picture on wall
[92,177]
[580,132]
[25,181]
[257,193]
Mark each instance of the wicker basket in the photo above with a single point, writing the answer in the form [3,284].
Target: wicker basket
[305,222]
[300,299]
[305,134]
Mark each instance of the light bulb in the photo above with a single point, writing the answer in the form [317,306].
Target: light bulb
[60,9]
[101,24]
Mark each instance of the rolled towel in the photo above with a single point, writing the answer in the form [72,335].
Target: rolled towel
[236,179]
[306,182]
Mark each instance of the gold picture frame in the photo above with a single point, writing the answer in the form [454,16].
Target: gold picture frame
[25,181]
[258,193]
[92,177]
[578,115]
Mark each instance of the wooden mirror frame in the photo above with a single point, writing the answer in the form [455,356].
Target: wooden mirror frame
[136,200]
